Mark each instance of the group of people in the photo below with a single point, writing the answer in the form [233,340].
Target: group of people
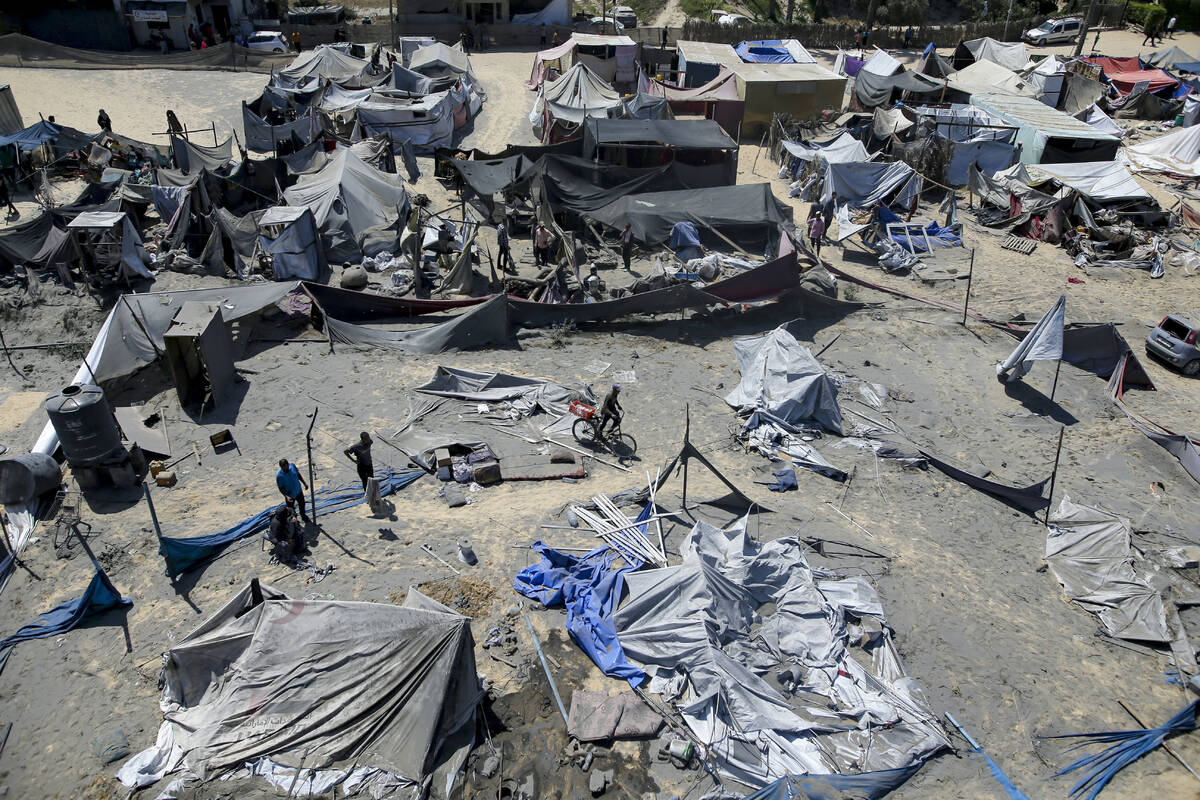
[1154,31]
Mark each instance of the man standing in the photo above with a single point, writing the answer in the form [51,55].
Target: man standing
[827,212]
[104,122]
[627,245]
[296,41]
[542,239]
[291,485]
[1171,27]
[908,34]
[6,200]
[664,37]
[1151,31]
[502,244]
[360,454]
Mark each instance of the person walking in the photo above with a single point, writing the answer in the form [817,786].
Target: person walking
[360,454]
[1171,27]
[1151,30]
[828,210]
[291,485]
[908,34]
[502,244]
[664,37]
[104,122]
[296,41]
[816,230]
[542,239]
[627,245]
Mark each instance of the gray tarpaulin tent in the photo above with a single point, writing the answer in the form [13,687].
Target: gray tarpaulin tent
[290,236]
[367,695]
[565,102]
[322,62]
[191,157]
[10,115]
[263,136]
[1010,55]
[780,376]
[439,60]
[748,214]
[348,198]
[115,242]
[699,143]
[485,324]
[689,626]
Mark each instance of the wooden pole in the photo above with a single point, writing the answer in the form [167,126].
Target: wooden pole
[312,484]
[970,277]
[1054,475]
[1054,388]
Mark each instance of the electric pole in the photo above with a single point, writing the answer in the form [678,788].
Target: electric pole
[1083,28]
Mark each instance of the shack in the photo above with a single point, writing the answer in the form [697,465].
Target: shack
[801,90]
[1046,135]
[701,62]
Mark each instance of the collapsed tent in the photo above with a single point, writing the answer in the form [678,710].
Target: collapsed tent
[1102,181]
[113,243]
[689,628]
[780,376]
[361,695]
[1176,153]
[192,158]
[1168,58]
[485,324]
[749,214]
[1126,73]
[349,200]
[289,235]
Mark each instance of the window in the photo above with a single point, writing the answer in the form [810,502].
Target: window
[1071,27]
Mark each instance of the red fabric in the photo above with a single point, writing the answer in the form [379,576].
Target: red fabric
[1125,81]
[1111,65]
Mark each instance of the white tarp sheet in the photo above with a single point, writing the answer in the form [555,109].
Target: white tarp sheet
[780,376]
[1103,181]
[1010,55]
[1177,152]
[1043,343]
[842,149]
[1102,122]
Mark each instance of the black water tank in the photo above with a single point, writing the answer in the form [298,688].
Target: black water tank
[24,477]
[85,424]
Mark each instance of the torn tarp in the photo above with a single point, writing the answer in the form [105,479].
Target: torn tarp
[100,596]
[1180,445]
[1044,343]
[590,587]
[485,324]
[1029,498]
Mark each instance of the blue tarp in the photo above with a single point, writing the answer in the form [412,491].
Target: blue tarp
[182,555]
[590,587]
[683,234]
[766,51]
[868,785]
[939,236]
[99,596]
[1187,66]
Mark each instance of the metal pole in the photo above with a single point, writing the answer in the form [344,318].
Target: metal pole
[312,484]
[970,276]
[546,668]
[153,516]
[1007,17]
[1054,476]
[1054,388]
[8,355]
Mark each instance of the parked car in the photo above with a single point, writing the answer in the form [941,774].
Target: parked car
[733,20]
[267,42]
[1053,31]
[602,26]
[1174,341]
[625,16]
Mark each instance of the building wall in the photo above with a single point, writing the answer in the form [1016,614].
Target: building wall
[801,99]
[97,27]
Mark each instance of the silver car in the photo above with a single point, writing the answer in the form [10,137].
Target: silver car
[267,42]
[1053,31]
[1174,341]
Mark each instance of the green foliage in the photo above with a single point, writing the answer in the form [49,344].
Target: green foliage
[901,12]
[1146,14]
[1187,11]
[700,9]
[307,3]
[997,10]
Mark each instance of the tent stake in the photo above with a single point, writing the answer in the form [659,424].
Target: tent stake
[1054,475]
[546,668]
[967,299]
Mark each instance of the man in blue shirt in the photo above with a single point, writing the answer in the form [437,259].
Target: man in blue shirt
[291,486]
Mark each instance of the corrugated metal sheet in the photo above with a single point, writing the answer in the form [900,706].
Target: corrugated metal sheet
[1027,112]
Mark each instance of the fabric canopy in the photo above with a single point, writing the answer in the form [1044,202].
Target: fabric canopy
[1102,122]
[324,62]
[349,197]
[575,95]
[1010,55]
[749,214]
[844,148]
[1168,57]
[670,133]
[1103,181]
[876,90]
[864,183]
[319,685]
[439,59]
[1177,153]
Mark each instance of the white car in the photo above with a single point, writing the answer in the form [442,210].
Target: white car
[624,15]
[1053,31]
[732,20]
[267,42]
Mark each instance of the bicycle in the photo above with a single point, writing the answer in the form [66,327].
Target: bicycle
[586,430]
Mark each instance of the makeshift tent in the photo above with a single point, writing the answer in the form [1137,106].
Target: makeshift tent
[1102,181]
[426,123]
[42,132]
[440,61]
[265,123]
[112,244]
[289,235]
[873,90]
[1044,343]
[1176,153]
[864,183]
[354,694]
[845,148]
[322,63]
[1095,117]
[10,115]
[483,325]
[802,90]
[716,100]
[1125,73]
[191,158]
[1168,58]
[564,103]
[349,198]
[1047,135]
[643,143]
[611,58]
[1010,55]
[748,214]
[644,105]
[37,242]
[986,77]
[780,376]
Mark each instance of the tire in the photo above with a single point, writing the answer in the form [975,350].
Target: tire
[1192,368]
[277,50]
[582,431]
[623,446]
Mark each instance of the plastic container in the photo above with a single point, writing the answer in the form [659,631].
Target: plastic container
[24,477]
[84,422]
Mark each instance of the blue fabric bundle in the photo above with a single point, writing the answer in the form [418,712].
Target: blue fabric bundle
[99,596]
[182,555]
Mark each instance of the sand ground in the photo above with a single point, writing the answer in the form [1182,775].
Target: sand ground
[980,623]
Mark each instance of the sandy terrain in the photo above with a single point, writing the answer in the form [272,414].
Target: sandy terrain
[981,624]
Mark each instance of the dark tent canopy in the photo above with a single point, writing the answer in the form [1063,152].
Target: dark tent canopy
[876,90]
[749,215]
[700,134]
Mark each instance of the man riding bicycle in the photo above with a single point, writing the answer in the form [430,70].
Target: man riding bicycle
[610,409]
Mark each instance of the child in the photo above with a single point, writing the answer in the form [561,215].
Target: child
[816,230]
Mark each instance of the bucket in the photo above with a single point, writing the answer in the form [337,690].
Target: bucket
[465,553]
[1179,120]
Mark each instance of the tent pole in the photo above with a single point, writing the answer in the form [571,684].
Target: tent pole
[312,490]
[1054,476]
[8,355]
[967,299]
[1054,388]
[687,424]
